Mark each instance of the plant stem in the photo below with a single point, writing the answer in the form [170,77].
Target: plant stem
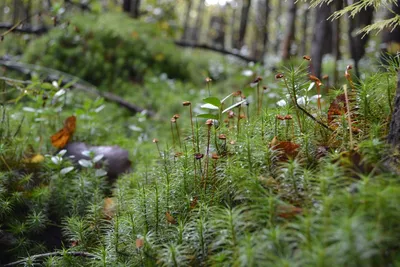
[173,136]
[178,134]
[207,158]
[348,117]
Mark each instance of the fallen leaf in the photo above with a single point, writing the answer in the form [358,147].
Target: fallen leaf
[288,212]
[31,157]
[337,108]
[61,138]
[169,217]
[139,242]
[193,203]
[109,208]
[287,149]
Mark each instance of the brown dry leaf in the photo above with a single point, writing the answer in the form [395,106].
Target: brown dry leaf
[288,212]
[337,108]
[109,208]
[139,242]
[169,217]
[61,138]
[193,203]
[288,150]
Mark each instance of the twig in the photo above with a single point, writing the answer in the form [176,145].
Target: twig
[16,25]
[50,254]
[306,112]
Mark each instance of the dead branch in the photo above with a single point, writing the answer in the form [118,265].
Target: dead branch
[24,28]
[55,75]
[215,49]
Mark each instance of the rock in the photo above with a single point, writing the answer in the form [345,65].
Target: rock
[115,159]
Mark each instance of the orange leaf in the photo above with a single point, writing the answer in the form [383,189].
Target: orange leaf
[169,217]
[109,208]
[139,242]
[288,212]
[337,108]
[193,203]
[61,138]
[287,149]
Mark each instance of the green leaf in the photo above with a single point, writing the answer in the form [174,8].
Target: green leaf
[213,101]
[209,106]
[225,98]
[208,116]
[234,106]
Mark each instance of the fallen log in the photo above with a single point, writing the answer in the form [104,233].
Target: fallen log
[24,28]
[216,49]
[55,75]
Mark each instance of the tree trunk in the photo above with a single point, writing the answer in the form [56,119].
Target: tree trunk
[132,7]
[391,38]
[126,6]
[135,8]
[28,10]
[233,29]
[289,38]
[304,26]
[260,44]
[244,17]
[320,43]
[394,132]
[187,20]
[336,41]
[278,27]
[199,21]
[18,5]
[357,41]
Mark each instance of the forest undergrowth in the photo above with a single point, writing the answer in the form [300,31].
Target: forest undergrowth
[307,181]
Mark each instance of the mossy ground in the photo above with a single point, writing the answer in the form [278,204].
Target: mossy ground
[217,194]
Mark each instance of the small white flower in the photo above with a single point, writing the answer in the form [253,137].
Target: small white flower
[85,163]
[66,170]
[281,103]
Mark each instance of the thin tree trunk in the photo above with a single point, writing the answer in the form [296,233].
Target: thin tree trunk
[135,8]
[278,26]
[187,20]
[233,29]
[392,36]
[126,6]
[28,12]
[321,31]
[244,17]
[336,41]
[261,41]
[289,38]
[304,26]
[199,20]
[266,35]
[358,42]
[394,132]
[16,14]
